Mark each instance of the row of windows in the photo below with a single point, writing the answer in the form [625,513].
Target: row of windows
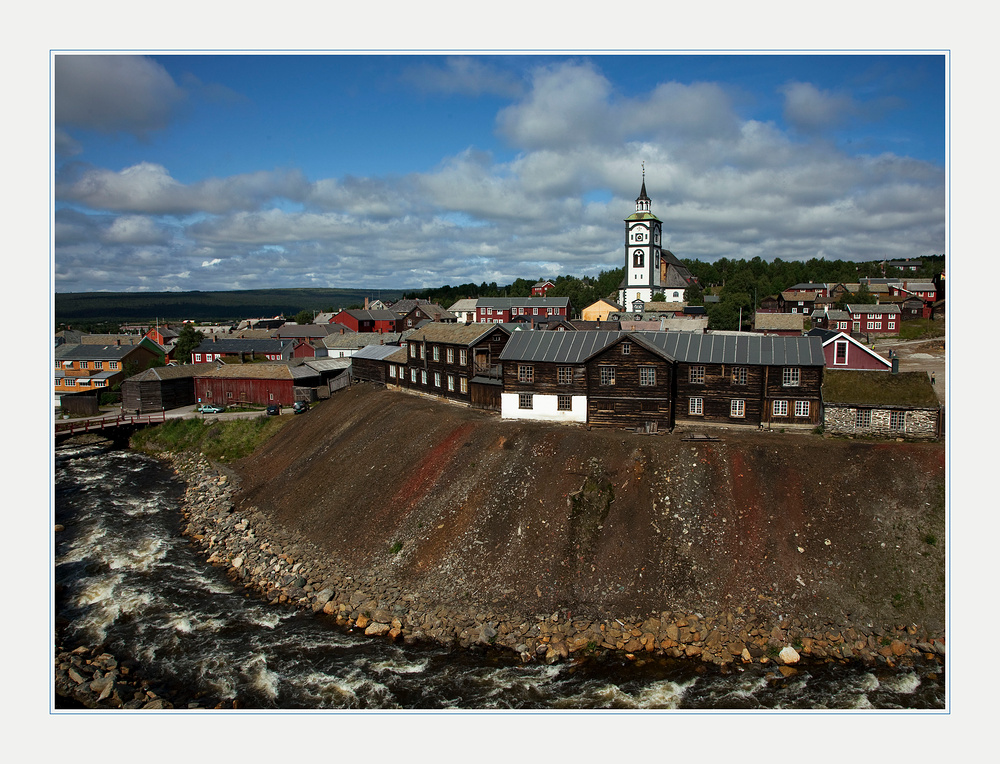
[897,419]
[421,374]
[113,365]
[521,311]
[878,325]
[419,349]
[790,375]
[608,375]
[527,401]
[79,382]
[737,408]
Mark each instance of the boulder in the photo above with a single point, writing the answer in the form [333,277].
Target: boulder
[788,655]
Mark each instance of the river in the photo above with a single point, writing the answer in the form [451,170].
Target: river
[126,578]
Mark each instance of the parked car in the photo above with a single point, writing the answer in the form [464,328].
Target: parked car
[300,407]
[273,410]
[211,408]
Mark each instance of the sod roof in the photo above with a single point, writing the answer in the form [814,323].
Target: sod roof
[879,388]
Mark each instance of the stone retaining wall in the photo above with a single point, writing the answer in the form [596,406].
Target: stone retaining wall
[842,420]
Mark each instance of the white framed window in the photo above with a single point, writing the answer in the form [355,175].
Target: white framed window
[524,401]
[695,406]
[647,376]
[840,353]
[564,375]
[626,348]
[100,364]
[739,375]
[891,325]
[525,373]
[790,376]
[437,379]
[451,383]
[413,350]
[737,408]
[696,375]
[607,375]
[69,382]
[870,325]
[392,371]
[413,375]
[450,355]
[436,353]
[780,408]
[564,403]
[878,324]
[423,376]
[801,408]
[463,357]
[113,365]
[863,418]
[897,420]
[463,385]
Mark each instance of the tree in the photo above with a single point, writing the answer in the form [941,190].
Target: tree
[187,340]
[303,317]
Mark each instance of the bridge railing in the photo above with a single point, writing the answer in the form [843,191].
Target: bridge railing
[95,425]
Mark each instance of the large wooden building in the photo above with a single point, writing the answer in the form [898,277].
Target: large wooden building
[653,380]
[454,361]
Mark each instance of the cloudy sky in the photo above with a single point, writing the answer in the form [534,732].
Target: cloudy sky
[183,172]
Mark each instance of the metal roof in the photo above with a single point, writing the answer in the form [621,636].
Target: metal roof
[376,352]
[556,347]
[741,348]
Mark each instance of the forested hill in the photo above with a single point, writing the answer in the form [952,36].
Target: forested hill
[83,307]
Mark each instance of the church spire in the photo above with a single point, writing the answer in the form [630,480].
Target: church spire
[642,202]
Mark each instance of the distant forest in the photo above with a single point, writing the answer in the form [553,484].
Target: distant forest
[740,285]
[83,310]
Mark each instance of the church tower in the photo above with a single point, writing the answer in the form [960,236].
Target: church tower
[649,269]
[642,253]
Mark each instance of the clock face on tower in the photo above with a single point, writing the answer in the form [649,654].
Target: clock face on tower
[638,234]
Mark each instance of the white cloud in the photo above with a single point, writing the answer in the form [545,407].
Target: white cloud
[811,109]
[149,188]
[112,93]
[723,185]
[464,75]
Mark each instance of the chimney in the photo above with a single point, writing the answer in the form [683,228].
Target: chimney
[366,303]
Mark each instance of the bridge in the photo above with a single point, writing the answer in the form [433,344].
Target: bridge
[104,424]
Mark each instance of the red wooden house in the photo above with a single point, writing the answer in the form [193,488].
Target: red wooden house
[541,288]
[260,384]
[501,310]
[370,320]
[844,352]
[874,319]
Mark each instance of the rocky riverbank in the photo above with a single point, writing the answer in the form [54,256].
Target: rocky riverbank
[286,568]
[93,678]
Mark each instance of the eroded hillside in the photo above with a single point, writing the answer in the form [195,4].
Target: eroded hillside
[463,506]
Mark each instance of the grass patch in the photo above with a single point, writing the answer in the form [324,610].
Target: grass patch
[396,548]
[220,440]
[921,328]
